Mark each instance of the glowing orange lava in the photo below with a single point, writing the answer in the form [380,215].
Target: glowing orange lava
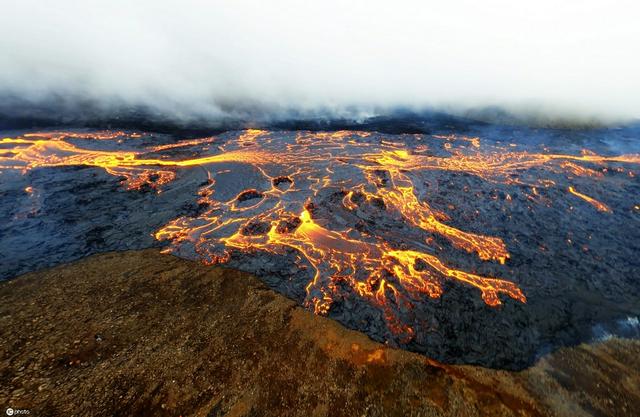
[370,172]
[595,203]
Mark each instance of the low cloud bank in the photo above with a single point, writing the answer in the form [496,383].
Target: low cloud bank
[247,60]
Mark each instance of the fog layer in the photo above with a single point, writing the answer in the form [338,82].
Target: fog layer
[292,58]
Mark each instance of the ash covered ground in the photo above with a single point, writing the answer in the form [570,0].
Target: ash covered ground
[490,246]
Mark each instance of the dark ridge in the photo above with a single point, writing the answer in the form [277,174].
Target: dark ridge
[136,120]
[396,122]
[59,112]
[64,112]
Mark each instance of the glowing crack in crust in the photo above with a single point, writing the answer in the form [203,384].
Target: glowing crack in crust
[595,203]
[279,215]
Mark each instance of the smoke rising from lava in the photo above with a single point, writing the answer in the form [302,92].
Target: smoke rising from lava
[244,59]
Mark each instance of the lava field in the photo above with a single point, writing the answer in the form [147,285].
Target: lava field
[490,246]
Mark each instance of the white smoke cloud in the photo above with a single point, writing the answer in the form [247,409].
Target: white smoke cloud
[195,58]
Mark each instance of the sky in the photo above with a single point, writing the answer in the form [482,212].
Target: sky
[188,58]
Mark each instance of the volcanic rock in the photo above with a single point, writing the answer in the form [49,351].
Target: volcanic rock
[143,333]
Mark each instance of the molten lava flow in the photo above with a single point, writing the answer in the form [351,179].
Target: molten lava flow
[595,203]
[336,257]
[352,205]
[248,137]
[400,195]
[51,149]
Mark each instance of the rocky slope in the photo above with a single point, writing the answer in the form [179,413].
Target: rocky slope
[142,333]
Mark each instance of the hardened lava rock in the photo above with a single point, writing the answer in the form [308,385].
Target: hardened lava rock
[461,247]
